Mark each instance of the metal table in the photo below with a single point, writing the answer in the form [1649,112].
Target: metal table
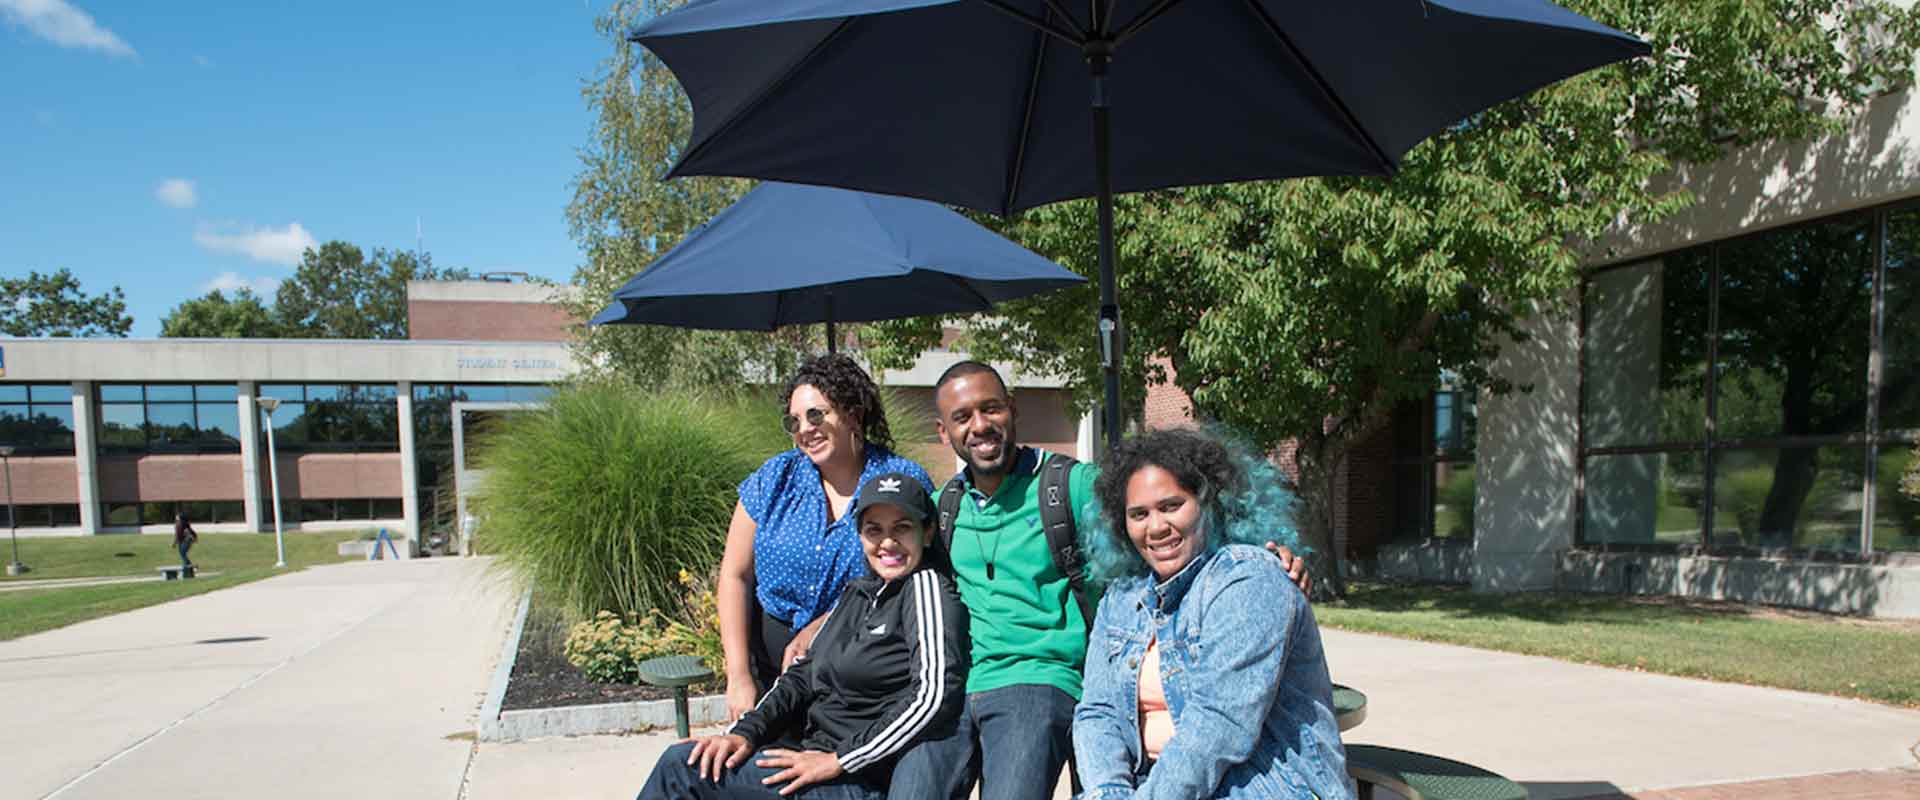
[1349,707]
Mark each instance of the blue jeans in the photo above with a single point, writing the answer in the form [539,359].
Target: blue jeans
[184,547]
[1014,739]
[673,779]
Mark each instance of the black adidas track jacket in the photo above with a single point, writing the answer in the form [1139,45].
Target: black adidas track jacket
[890,664]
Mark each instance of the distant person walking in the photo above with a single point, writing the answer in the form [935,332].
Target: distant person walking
[183,538]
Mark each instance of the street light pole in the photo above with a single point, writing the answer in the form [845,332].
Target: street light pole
[269,405]
[14,567]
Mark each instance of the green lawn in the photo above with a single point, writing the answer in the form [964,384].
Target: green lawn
[117,554]
[238,557]
[1870,660]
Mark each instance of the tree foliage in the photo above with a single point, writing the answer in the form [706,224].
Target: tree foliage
[338,292]
[54,305]
[623,217]
[217,316]
[1307,310]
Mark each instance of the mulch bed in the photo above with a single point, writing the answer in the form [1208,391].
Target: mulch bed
[542,678]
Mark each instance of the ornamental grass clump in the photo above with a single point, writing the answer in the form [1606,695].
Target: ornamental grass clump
[605,497]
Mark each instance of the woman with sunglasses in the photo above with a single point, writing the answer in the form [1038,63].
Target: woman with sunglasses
[792,548]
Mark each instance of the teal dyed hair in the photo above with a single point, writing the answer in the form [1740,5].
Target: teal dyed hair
[1248,499]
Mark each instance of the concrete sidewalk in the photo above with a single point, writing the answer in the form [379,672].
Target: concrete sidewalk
[353,680]
[1566,730]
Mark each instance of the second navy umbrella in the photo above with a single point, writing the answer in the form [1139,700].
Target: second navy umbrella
[786,254]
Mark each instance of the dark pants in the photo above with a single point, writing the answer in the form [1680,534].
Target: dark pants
[673,779]
[766,644]
[184,547]
[1014,739]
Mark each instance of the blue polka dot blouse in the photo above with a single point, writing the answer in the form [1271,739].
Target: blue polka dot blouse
[801,563]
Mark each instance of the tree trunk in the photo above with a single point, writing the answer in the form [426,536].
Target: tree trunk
[1318,459]
[1793,475]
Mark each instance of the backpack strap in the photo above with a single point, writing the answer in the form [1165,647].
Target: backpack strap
[950,507]
[1063,541]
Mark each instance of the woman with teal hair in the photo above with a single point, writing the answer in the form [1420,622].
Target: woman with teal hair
[1204,675]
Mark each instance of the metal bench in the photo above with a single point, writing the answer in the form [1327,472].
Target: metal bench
[174,573]
[677,672]
[1419,776]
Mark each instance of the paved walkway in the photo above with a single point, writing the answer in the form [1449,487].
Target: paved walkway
[1565,730]
[355,680]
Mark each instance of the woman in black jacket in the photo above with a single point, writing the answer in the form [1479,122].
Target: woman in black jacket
[889,665]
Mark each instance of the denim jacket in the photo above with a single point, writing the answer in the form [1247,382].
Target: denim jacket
[1245,681]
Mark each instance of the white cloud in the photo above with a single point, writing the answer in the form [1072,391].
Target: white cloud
[230,282]
[203,61]
[271,245]
[59,22]
[177,193]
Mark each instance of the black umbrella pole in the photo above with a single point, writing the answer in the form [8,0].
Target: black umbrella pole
[833,345]
[1109,330]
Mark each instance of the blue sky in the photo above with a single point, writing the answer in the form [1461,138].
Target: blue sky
[169,148]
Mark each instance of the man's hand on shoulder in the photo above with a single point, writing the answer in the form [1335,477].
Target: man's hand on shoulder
[1295,566]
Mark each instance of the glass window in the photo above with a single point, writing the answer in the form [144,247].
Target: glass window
[316,510]
[121,393]
[219,423]
[13,393]
[284,392]
[1900,326]
[66,514]
[169,393]
[481,393]
[122,515]
[1632,312]
[170,426]
[212,392]
[529,394]
[1453,500]
[1798,497]
[387,508]
[51,393]
[230,511]
[1795,325]
[323,391]
[1645,498]
[123,427]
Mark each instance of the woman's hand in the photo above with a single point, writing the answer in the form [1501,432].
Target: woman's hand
[802,641]
[1295,566]
[800,769]
[713,753]
[741,697]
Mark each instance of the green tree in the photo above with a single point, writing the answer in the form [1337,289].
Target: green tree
[217,316]
[340,292]
[623,217]
[54,305]
[1307,310]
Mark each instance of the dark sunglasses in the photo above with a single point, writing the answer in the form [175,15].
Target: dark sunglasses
[815,416]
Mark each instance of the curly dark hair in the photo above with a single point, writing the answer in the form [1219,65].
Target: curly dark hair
[852,392]
[1200,463]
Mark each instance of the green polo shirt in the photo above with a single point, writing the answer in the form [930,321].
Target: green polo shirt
[1026,627]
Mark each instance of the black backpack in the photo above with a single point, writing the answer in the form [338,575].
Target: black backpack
[1056,517]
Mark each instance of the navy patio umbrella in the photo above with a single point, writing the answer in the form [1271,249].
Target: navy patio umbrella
[787,254]
[1003,105]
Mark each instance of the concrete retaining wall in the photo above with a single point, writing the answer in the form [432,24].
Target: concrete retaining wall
[1428,562]
[1868,590]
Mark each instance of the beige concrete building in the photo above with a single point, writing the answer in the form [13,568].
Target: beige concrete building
[117,435]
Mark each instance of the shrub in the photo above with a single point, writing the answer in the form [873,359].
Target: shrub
[605,497]
[609,647]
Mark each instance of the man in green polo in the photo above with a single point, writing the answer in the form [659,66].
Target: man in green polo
[1029,635]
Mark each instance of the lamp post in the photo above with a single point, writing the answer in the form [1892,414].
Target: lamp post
[269,405]
[14,567]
